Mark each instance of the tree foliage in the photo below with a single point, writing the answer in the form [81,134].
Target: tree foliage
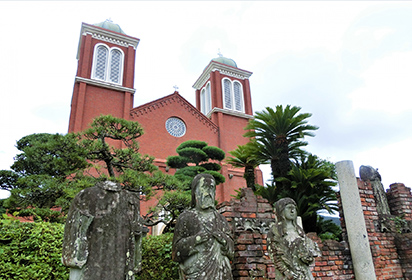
[247,157]
[41,172]
[279,135]
[52,168]
[107,132]
[195,157]
[311,182]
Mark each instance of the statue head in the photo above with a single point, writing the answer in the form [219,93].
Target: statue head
[286,209]
[203,192]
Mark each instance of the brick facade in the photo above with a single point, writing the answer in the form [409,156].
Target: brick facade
[221,127]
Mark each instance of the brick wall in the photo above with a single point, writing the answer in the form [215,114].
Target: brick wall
[382,244]
[404,244]
[390,242]
[249,218]
[400,200]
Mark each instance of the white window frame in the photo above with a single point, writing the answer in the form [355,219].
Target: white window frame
[120,74]
[108,66]
[95,60]
[232,98]
[206,99]
[239,98]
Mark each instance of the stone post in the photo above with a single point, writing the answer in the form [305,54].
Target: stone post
[355,222]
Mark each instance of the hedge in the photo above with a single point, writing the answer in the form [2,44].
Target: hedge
[157,261]
[32,251]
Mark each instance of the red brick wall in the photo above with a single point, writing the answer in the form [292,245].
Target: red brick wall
[156,141]
[382,244]
[250,217]
[400,200]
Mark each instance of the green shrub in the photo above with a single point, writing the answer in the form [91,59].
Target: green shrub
[42,214]
[31,251]
[191,143]
[214,152]
[157,261]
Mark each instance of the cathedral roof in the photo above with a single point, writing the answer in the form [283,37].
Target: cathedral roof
[108,24]
[174,98]
[225,60]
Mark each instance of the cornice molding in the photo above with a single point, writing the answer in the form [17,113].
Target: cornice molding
[104,84]
[174,98]
[229,112]
[106,36]
[223,69]
[109,36]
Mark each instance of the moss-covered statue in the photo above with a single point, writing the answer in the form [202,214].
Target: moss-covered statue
[102,236]
[202,242]
[289,248]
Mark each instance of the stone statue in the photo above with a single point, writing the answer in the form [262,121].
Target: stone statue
[368,173]
[289,248]
[102,236]
[202,242]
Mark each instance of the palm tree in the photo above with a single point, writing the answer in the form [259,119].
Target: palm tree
[311,180]
[279,135]
[245,156]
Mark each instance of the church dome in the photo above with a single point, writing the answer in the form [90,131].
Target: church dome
[108,24]
[225,60]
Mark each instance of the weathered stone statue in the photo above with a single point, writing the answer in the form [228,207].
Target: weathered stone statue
[368,173]
[202,242]
[289,248]
[102,237]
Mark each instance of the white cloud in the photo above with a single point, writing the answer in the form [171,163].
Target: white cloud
[387,85]
[392,161]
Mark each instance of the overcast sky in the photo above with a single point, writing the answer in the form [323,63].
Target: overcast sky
[349,63]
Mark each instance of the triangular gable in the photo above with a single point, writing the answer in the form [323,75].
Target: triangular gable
[171,99]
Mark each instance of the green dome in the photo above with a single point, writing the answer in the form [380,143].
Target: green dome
[224,60]
[108,24]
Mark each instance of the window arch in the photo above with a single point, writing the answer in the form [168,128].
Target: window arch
[205,99]
[227,94]
[238,96]
[101,57]
[107,64]
[232,95]
[116,63]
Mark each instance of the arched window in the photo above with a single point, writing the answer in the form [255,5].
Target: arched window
[227,93]
[233,95]
[205,99]
[107,64]
[116,61]
[238,96]
[101,56]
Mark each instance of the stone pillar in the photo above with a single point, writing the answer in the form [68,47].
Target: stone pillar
[355,222]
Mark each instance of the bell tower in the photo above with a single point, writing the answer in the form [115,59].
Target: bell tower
[223,95]
[105,74]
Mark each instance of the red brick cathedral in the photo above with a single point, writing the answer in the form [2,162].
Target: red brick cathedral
[104,84]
